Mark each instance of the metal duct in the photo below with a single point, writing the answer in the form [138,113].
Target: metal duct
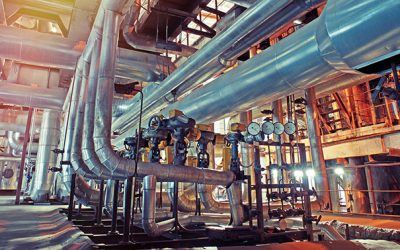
[17,145]
[46,50]
[148,43]
[102,133]
[46,159]
[217,62]
[27,96]
[325,48]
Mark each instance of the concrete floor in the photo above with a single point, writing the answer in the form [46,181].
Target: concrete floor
[37,227]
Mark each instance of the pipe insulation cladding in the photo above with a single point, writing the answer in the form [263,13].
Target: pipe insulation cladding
[341,40]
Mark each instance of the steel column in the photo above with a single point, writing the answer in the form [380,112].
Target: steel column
[100,206]
[71,196]
[314,136]
[115,209]
[127,210]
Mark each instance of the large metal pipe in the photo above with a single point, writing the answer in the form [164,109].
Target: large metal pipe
[317,155]
[17,145]
[46,159]
[246,22]
[235,199]
[76,149]
[320,50]
[150,226]
[51,51]
[102,133]
[28,96]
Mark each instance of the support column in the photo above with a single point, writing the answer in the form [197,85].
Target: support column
[23,157]
[314,136]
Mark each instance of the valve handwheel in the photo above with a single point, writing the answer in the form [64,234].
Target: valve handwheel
[154,122]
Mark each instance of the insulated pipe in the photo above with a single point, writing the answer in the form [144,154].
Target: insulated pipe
[76,154]
[235,200]
[150,226]
[246,22]
[148,43]
[45,158]
[102,133]
[186,198]
[322,49]
[47,50]
[15,127]
[88,148]
[16,145]
[28,96]
[208,200]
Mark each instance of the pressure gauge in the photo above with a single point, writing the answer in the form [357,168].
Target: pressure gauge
[268,128]
[278,128]
[290,128]
[253,128]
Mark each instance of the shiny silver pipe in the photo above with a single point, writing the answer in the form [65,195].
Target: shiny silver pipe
[148,43]
[102,133]
[17,145]
[209,202]
[76,154]
[245,23]
[235,200]
[28,96]
[15,127]
[46,159]
[186,198]
[89,155]
[46,50]
[320,50]
[149,224]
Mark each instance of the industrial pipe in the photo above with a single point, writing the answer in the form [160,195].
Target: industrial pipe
[28,96]
[150,226]
[51,51]
[46,159]
[16,145]
[102,133]
[245,23]
[320,50]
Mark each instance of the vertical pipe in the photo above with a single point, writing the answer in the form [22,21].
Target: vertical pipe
[100,205]
[115,209]
[46,159]
[127,209]
[258,183]
[318,162]
[23,157]
[71,197]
